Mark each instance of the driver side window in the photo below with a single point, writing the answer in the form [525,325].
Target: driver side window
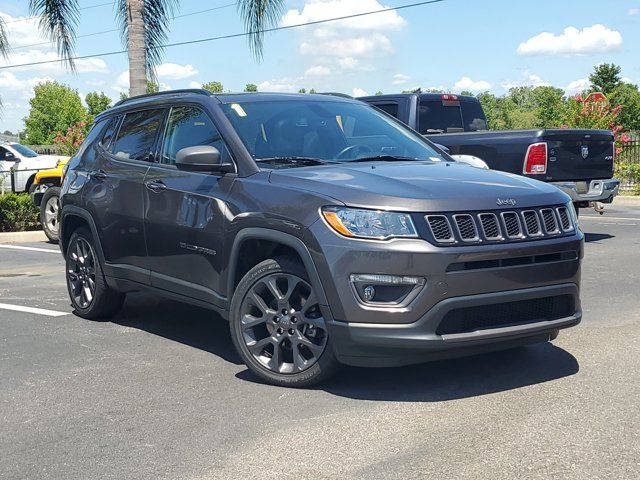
[190,127]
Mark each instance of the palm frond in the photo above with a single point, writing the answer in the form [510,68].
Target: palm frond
[58,20]
[4,40]
[157,15]
[257,16]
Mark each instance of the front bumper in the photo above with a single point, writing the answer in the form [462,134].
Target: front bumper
[374,335]
[379,345]
[594,191]
[37,192]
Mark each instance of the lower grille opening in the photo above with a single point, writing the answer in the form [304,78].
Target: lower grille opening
[569,255]
[521,312]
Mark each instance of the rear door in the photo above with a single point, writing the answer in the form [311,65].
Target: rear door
[579,154]
[114,191]
[184,216]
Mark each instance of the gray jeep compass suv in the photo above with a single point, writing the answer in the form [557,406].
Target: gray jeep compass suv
[325,231]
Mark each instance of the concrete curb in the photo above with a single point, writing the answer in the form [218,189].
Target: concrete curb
[23,237]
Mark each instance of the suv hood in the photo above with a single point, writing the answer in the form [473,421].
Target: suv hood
[419,186]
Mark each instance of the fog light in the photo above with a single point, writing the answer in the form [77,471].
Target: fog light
[369,293]
[381,289]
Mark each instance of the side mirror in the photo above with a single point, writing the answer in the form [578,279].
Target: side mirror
[202,158]
[10,157]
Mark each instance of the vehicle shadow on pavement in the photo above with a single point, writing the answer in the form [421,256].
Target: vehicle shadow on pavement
[187,324]
[596,237]
[457,378]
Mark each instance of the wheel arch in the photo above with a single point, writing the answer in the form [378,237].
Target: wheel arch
[73,218]
[275,243]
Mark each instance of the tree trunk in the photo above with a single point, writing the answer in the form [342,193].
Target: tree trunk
[136,46]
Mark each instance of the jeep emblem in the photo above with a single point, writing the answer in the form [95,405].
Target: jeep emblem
[506,202]
[585,151]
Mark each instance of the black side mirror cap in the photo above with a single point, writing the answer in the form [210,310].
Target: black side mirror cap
[202,158]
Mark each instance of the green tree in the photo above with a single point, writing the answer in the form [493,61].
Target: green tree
[378,93]
[313,90]
[605,78]
[251,87]
[627,95]
[302,90]
[143,25]
[549,104]
[97,103]
[467,93]
[54,108]
[213,87]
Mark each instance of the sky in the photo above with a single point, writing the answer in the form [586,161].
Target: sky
[454,45]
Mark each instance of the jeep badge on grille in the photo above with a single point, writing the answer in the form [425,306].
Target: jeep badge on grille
[506,202]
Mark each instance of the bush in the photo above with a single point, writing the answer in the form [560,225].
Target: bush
[18,213]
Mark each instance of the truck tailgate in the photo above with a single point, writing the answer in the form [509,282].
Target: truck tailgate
[578,154]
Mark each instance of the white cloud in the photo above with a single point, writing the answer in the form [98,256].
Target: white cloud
[595,39]
[577,85]
[529,80]
[358,92]
[400,79]
[10,82]
[344,45]
[283,86]
[122,82]
[194,84]
[20,57]
[318,71]
[633,11]
[95,83]
[175,71]
[466,83]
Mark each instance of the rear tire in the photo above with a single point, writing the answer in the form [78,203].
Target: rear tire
[90,295]
[277,327]
[49,213]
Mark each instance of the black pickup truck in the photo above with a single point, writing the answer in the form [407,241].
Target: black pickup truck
[579,162]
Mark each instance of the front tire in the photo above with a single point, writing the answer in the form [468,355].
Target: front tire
[90,295]
[49,213]
[277,326]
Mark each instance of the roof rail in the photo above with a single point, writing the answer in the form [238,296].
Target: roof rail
[199,91]
[336,94]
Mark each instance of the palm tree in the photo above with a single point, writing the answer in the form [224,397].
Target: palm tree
[144,25]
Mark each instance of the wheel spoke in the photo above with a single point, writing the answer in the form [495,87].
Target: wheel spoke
[258,347]
[88,294]
[315,349]
[274,362]
[258,302]
[298,360]
[273,288]
[249,321]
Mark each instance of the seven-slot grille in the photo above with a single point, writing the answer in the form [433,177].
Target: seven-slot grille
[504,226]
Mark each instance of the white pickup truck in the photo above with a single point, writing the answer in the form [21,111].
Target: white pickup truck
[24,163]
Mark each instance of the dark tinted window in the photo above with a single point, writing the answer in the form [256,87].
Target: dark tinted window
[473,116]
[137,134]
[24,151]
[390,108]
[439,116]
[110,131]
[189,127]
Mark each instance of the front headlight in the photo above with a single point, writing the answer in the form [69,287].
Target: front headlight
[372,224]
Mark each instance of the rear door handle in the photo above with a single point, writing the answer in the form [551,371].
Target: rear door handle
[156,186]
[98,174]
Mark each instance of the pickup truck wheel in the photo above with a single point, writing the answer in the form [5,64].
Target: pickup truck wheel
[277,326]
[90,295]
[49,213]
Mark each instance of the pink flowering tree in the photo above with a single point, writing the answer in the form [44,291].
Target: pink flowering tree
[70,141]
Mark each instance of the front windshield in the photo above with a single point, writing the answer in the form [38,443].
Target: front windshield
[330,131]
[24,151]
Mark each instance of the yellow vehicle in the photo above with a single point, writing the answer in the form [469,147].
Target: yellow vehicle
[45,193]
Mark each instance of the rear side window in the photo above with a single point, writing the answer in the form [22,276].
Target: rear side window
[190,127]
[110,131]
[93,135]
[390,108]
[138,134]
[473,116]
[439,116]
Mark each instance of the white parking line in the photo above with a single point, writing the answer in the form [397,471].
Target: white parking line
[32,249]
[37,311]
[606,217]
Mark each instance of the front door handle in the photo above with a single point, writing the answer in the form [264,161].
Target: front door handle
[156,186]
[98,174]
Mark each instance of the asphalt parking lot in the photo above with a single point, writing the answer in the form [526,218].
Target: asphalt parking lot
[159,392]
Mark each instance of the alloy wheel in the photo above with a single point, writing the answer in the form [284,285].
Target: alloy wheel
[281,323]
[81,272]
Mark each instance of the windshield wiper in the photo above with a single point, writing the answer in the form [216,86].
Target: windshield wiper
[293,160]
[383,158]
